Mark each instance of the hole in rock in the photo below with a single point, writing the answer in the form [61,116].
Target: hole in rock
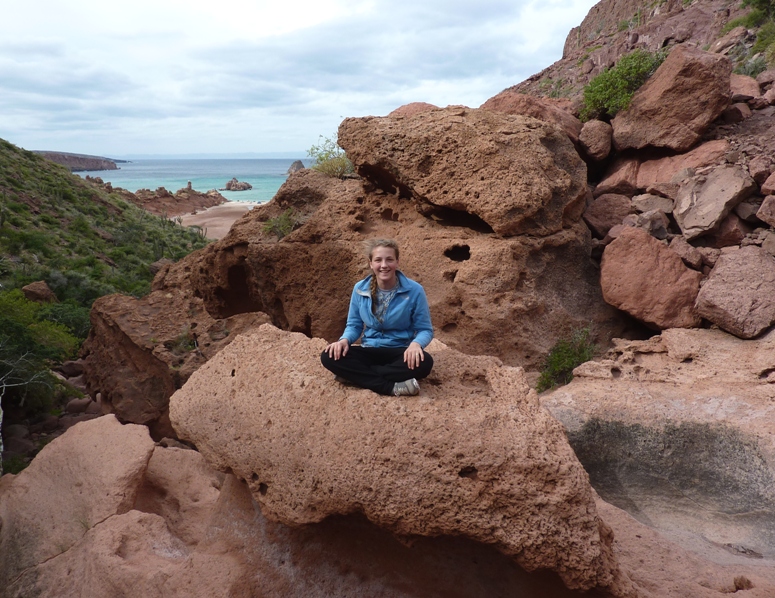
[254,477]
[451,327]
[616,372]
[384,180]
[262,488]
[766,374]
[460,218]
[687,360]
[450,276]
[458,253]
[469,472]
[388,214]
[233,372]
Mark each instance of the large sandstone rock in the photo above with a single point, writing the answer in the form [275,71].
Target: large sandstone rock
[86,475]
[511,102]
[139,351]
[677,431]
[743,88]
[649,281]
[675,106]
[413,108]
[518,175]
[703,201]
[472,456]
[739,295]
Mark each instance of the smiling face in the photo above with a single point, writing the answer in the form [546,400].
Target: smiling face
[384,263]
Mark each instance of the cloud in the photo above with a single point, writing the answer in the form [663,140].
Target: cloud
[239,75]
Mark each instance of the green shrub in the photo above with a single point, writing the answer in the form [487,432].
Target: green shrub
[753,19]
[769,55]
[329,158]
[764,37]
[566,355]
[282,225]
[612,90]
[767,7]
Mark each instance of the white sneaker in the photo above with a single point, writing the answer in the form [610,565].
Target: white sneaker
[406,388]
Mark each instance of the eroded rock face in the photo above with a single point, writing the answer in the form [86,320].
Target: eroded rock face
[99,459]
[139,351]
[739,295]
[703,201]
[472,456]
[512,298]
[649,281]
[678,431]
[675,106]
[517,174]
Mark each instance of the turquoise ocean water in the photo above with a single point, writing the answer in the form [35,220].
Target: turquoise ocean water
[266,175]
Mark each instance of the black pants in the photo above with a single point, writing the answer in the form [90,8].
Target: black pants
[376,368]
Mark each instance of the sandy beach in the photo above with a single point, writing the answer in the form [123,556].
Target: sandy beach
[218,220]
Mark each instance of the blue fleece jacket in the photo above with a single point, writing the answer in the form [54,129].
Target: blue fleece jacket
[407,319]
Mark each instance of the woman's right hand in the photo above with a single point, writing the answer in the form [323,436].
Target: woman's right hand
[338,349]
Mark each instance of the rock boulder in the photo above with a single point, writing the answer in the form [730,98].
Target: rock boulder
[514,173]
[677,104]
[39,292]
[649,281]
[703,201]
[472,456]
[739,295]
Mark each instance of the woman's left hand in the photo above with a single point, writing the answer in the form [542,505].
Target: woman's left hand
[413,355]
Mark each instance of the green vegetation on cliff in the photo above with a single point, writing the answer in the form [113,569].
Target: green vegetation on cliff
[85,243]
[329,158]
[612,90]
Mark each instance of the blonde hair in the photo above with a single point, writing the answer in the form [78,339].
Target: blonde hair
[369,247]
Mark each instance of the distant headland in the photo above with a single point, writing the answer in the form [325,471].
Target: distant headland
[80,162]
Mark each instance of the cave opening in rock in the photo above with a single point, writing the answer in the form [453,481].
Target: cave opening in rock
[235,298]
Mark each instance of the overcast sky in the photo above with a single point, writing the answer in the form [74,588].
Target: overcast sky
[238,76]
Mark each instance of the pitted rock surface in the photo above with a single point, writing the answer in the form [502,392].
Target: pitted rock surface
[473,455]
[516,173]
[631,264]
[679,431]
[478,285]
[545,109]
[677,104]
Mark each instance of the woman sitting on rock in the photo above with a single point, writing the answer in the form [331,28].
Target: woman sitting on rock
[389,313]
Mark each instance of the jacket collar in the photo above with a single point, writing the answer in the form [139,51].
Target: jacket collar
[362,288]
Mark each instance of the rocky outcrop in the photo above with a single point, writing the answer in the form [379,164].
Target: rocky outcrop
[739,295]
[518,175]
[164,203]
[677,104]
[630,266]
[440,472]
[677,431]
[235,185]
[139,351]
[606,211]
[80,162]
[296,167]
